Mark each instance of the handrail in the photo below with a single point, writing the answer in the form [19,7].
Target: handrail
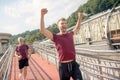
[7,71]
[3,58]
[5,62]
[89,63]
[100,65]
[100,51]
[4,54]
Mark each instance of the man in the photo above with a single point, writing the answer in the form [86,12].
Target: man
[65,47]
[21,52]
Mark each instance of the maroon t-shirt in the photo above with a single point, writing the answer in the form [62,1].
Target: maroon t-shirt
[65,46]
[22,50]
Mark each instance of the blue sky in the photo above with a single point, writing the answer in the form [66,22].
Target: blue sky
[17,16]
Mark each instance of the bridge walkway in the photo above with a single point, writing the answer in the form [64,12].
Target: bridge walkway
[39,69]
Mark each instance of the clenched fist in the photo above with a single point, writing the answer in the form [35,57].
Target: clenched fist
[44,11]
[80,14]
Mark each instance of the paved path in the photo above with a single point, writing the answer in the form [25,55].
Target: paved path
[39,69]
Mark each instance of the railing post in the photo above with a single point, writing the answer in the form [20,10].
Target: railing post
[100,68]
[0,75]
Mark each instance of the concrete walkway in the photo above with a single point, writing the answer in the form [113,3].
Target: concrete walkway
[39,69]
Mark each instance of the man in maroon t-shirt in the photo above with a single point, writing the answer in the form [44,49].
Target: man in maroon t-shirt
[21,52]
[64,43]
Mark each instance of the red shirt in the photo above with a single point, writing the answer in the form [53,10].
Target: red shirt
[65,46]
[22,50]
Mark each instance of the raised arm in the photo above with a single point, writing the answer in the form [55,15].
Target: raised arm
[44,31]
[77,27]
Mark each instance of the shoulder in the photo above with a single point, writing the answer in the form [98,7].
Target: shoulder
[16,48]
[26,45]
[71,32]
[55,36]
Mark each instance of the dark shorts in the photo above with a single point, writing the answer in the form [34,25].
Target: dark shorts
[23,63]
[70,69]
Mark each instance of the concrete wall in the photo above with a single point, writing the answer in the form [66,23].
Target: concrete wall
[4,41]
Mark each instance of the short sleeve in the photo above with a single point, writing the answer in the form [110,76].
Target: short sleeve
[54,37]
[71,32]
[16,49]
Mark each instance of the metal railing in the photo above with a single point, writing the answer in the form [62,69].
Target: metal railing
[5,64]
[93,66]
[50,53]
[97,67]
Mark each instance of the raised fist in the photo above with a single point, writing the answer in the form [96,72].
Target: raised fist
[80,14]
[44,11]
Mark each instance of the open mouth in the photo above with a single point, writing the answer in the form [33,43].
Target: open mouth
[64,27]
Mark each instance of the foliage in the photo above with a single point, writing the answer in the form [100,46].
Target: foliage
[91,7]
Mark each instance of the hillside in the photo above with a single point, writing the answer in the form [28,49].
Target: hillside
[91,7]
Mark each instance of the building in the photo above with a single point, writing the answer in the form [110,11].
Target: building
[4,41]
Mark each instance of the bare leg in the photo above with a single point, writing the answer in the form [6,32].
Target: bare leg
[25,72]
[20,74]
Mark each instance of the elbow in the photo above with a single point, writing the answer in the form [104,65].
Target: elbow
[42,31]
[78,28]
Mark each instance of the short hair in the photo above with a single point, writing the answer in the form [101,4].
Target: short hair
[61,19]
[19,38]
